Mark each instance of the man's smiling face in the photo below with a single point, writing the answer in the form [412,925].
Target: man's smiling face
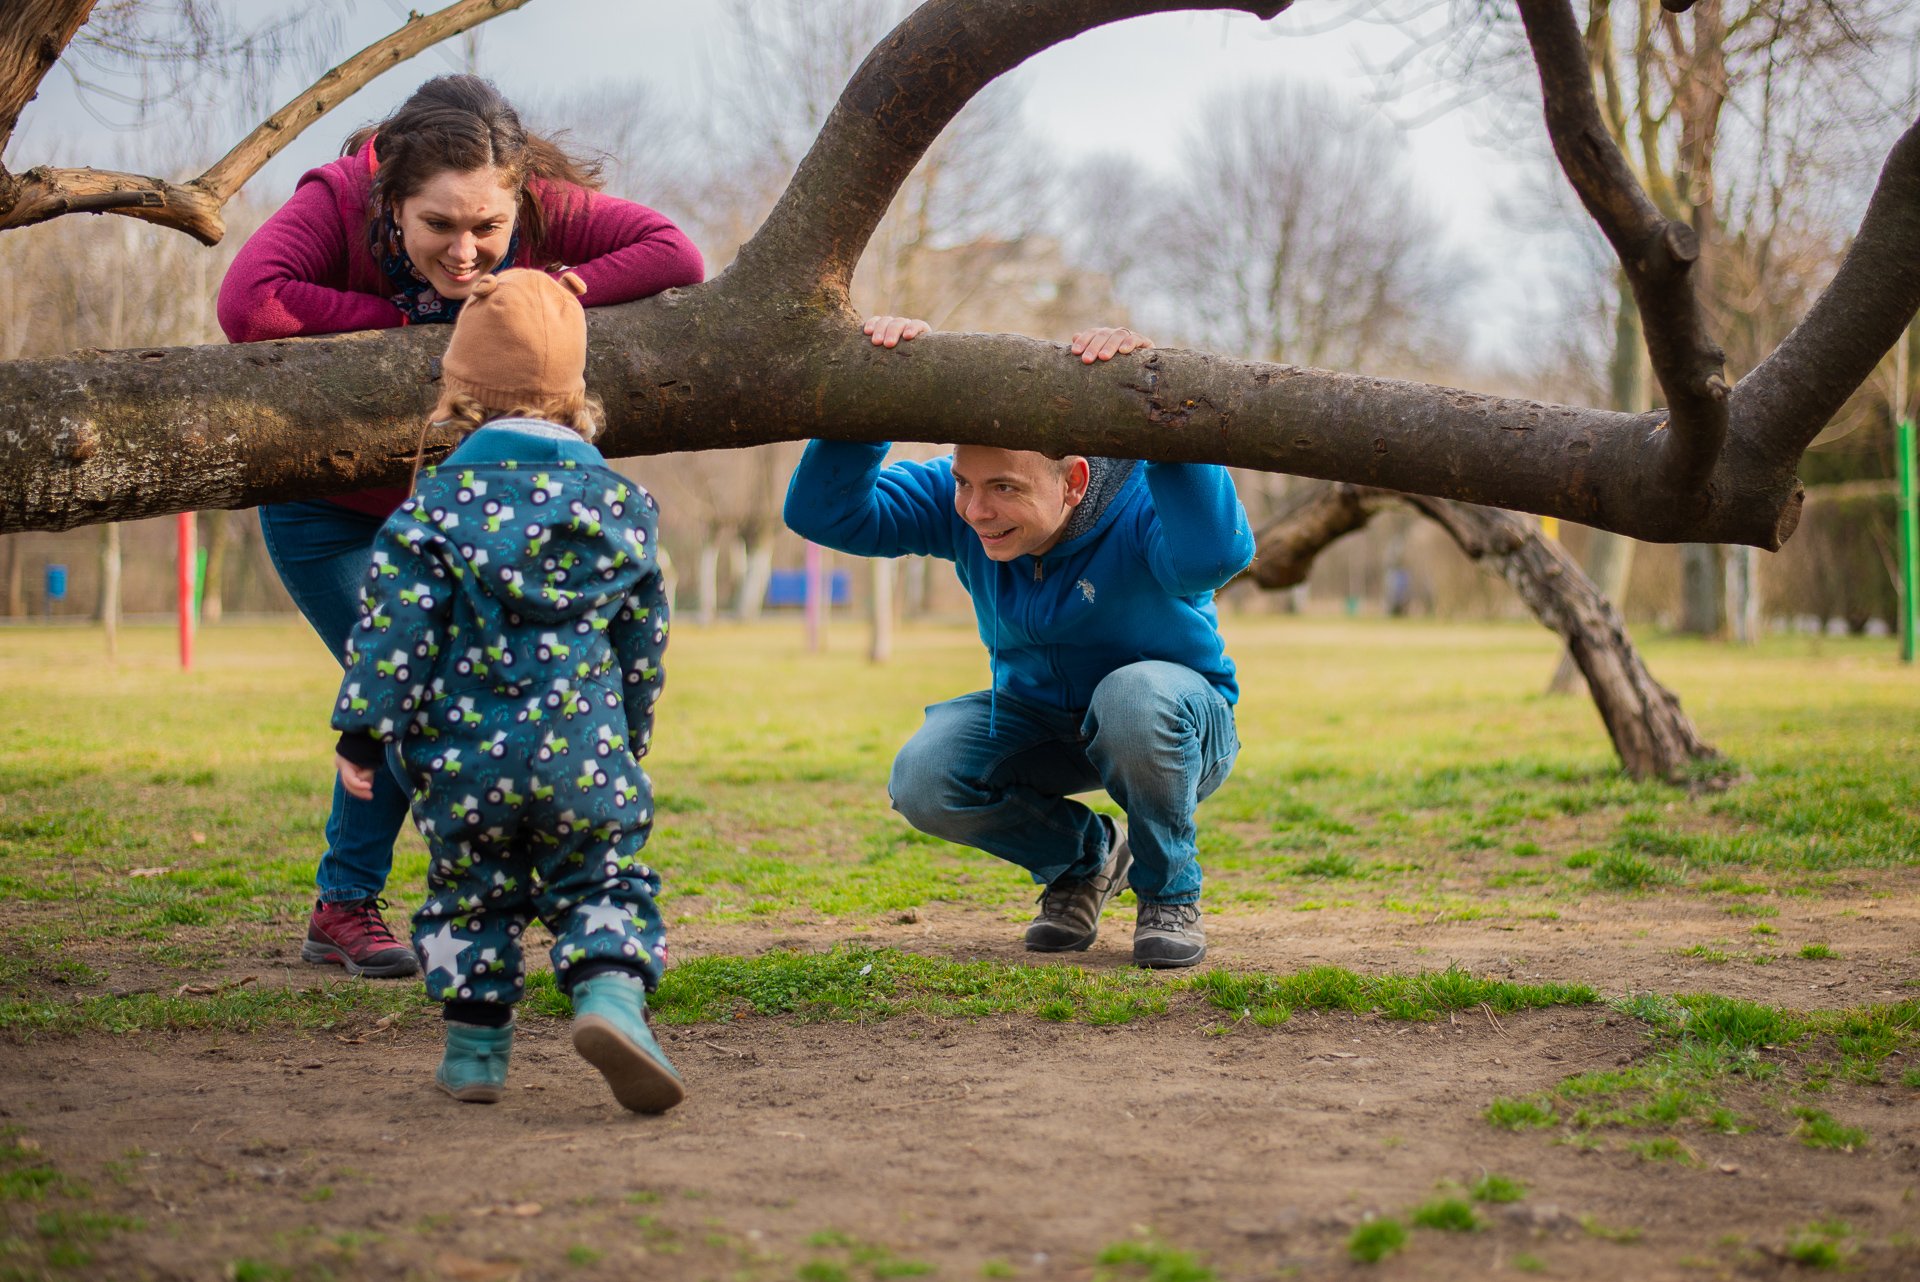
[1017,501]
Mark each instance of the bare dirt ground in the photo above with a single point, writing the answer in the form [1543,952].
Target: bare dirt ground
[993,1148]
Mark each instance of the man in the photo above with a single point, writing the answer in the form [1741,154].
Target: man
[1092,581]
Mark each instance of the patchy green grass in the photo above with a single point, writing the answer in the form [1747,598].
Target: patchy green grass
[1419,772]
[1148,1261]
[1492,1187]
[1824,1244]
[1703,1045]
[1510,1114]
[1818,1130]
[1375,1240]
[1448,1214]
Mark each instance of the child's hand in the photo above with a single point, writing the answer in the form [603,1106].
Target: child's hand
[891,331]
[357,780]
[1105,343]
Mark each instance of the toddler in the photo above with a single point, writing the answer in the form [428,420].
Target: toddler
[505,669]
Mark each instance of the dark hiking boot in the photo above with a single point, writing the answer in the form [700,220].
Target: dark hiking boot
[1168,936]
[352,933]
[1070,907]
[473,1068]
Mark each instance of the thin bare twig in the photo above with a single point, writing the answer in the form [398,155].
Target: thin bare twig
[194,207]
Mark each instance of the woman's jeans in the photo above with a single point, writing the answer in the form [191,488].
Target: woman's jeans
[322,552]
[997,775]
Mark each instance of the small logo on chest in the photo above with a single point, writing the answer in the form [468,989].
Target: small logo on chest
[1086,590]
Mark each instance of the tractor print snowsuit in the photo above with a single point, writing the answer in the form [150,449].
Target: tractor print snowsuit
[508,657]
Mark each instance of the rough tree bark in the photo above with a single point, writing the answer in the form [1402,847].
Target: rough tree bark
[768,352]
[1653,737]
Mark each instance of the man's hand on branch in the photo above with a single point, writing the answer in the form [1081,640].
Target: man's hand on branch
[1105,343]
[891,331]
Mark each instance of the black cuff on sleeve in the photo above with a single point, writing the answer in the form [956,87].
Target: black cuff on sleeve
[361,749]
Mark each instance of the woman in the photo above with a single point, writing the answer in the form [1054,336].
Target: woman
[449,189]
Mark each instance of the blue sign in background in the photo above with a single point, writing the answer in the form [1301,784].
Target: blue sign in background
[789,587]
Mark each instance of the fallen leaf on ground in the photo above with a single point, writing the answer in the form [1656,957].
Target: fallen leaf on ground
[465,1268]
[207,990]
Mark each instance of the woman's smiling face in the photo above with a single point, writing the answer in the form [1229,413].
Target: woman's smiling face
[457,227]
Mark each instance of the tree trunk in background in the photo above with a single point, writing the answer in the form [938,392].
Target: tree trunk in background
[1653,736]
[880,611]
[914,585]
[218,535]
[1743,594]
[756,572]
[670,578]
[16,576]
[108,608]
[1610,567]
[708,575]
[1701,589]
[1610,555]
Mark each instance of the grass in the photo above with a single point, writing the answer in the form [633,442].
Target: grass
[1375,778]
[1375,1240]
[1448,1214]
[1497,1188]
[1148,1261]
[1703,1045]
[1819,1130]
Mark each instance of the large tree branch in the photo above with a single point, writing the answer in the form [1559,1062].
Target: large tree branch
[1657,254]
[195,207]
[117,435]
[1797,389]
[32,35]
[908,89]
[769,352]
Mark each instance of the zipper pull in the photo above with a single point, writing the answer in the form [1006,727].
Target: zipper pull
[1038,573]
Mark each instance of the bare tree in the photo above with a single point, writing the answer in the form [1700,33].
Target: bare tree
[34,33]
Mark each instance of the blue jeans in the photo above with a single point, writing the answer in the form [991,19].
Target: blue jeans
[1157,737]
[322,552]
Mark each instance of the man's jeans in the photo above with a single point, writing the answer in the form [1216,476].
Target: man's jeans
[1157,737]
[322,552]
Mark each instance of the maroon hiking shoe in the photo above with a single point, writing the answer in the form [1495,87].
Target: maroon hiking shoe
[352,933]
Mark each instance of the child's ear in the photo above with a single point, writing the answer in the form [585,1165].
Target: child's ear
[571,282]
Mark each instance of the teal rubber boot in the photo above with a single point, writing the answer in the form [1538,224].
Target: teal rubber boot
[610,1032]
[474,1068]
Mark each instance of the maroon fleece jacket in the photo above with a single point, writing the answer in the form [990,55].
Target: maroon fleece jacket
[308,270]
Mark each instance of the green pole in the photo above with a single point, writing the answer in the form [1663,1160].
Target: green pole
[1909,543]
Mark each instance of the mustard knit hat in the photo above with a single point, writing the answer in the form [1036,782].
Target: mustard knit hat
[520,342]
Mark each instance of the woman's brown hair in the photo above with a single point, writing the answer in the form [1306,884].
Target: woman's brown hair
[462,123]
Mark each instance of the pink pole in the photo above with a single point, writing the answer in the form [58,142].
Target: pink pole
[188,554]
[816,585]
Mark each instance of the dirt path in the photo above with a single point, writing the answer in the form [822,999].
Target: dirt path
[1014,1146]
[1012,1141]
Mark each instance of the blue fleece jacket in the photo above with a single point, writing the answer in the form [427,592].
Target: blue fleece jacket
[1138,585]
